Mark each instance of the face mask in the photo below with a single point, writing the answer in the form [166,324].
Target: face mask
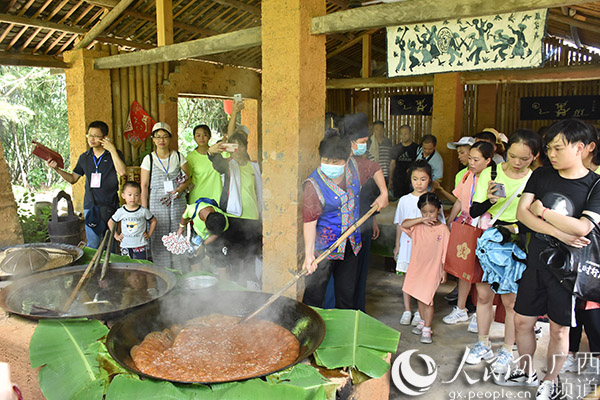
[332,171]
[361,148]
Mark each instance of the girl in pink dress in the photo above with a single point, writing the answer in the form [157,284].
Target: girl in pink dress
[426,267]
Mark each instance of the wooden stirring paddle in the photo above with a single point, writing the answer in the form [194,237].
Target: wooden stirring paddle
[323,256]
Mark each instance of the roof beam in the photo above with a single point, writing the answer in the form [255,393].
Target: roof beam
[575,22]
[103,3]
[533,75]
[240,6]
[36,23]
[422,11]
[30,60]
[180,25]
[223,43]
[103,24]
[164,22]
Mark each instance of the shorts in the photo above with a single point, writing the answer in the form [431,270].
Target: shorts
[541,293]
[136,253]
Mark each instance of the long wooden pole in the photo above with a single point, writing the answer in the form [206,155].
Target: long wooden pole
[323,256]
[103,24]
[422,11]
[225,42]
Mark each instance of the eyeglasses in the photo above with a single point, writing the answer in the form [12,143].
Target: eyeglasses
[161,137]
[94,137]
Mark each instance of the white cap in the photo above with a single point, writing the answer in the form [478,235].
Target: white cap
[464,141]
[162,125]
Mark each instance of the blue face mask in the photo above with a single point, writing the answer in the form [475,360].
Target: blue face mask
[361,148]
[332,171]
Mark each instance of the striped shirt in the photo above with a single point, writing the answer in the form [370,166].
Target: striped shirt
[385,156]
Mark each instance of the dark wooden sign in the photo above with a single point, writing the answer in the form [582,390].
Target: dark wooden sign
[560,107]
[411,104]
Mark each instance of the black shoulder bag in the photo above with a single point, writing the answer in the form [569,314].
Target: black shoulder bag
[578,270]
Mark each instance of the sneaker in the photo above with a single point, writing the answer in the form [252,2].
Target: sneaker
[516,377]
[456,315]
[538,332]
[571,364]
[417,330]
[549,390]
[503,360]
[405,320]
[426,336]
[473,324]
[416,319]
[453,295]
[479,352]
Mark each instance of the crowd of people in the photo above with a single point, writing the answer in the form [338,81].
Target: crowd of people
[522,191]
[519,190]
[173,191]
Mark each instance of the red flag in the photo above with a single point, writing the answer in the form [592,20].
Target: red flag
[139,125]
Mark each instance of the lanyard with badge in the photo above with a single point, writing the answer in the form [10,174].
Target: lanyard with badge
[96,176]
[168,184]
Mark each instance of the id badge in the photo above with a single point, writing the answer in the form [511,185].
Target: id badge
[96,180]
[168,186]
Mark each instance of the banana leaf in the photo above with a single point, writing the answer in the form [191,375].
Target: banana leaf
[354,339]
[126,388]
[307,377]
[69,370]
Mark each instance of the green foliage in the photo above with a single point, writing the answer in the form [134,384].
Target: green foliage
[194,111]
[33,106]
[356,340]
[68,354]
[35,228]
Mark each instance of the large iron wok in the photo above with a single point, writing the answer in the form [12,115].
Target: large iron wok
[305,323]
[36,257]
[126,287]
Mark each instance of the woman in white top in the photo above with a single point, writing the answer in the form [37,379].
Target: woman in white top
[162,195]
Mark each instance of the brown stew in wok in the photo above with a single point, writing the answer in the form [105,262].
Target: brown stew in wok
[214,348]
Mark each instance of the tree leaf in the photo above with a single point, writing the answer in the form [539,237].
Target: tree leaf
[61,347]
[354,339]
[307,377]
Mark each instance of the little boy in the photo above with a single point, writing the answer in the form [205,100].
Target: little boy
[133,218]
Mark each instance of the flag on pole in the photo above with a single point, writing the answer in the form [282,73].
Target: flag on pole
[139,125]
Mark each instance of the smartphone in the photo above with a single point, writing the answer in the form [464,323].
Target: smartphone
[237,97]
[500,190]
[230,147]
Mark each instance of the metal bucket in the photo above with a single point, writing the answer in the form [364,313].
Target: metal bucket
[65,229]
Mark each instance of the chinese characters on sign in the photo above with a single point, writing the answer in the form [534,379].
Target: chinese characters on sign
[411,104]
[560,107]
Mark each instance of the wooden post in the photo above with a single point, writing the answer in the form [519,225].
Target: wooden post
[293,106]
[446,126]
[164,22]
[366,56]
[116,105]
[88,99]
[486,107]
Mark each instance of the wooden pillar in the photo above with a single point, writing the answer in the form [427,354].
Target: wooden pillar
[164,22]
[448,95]
[486,106]
[10,233]
[366,56]
[88,99]
[293,112]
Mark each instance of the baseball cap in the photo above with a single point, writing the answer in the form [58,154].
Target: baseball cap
[464,141]
[162,125]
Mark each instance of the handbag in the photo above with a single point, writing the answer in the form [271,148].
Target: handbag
[461,260]
[578,270]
